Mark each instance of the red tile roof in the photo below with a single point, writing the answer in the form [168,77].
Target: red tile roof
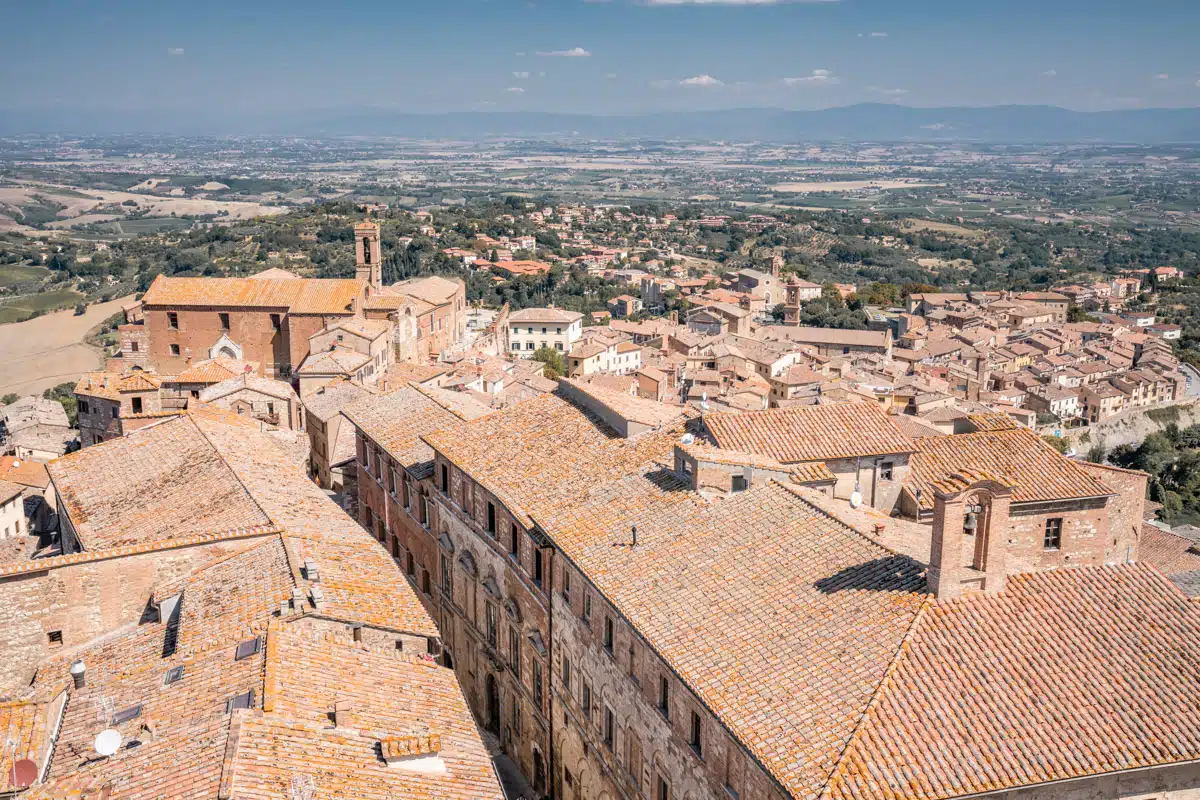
[1066,674]
[810,433]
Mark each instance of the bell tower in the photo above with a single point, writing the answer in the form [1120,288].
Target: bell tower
[970,536]
[368,254]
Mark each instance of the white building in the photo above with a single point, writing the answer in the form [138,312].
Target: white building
[12,510]
[531,329]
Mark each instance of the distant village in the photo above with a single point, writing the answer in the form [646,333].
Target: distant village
[355,539]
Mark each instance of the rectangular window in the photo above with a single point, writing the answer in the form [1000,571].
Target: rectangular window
[174,349]
[392,482]
[609,728]
[537,684]
[133,347]
[405,491]
[172,320]
[491,624]
[55,638]
[566,673]
[608,635]
[695,739]
[886,471]
[423,511]
[224,321]
[491,519]
[664,697]
[276,322]
[585,702]
[587,605]
[662,790]
[126,714]
[445,479]
[410,565]
[425,580]
[248,648]
[1053,537]
[514,651]
[173,674]
[739,483]
[566,585]
[537,566]
[514,544]
[239,701]
[447,577]
[137,405]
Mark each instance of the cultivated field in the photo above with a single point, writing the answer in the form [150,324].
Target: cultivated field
[20,308]
[804,187]
[88,204]
[49,350]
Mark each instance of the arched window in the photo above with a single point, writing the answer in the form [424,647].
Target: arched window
[366,250]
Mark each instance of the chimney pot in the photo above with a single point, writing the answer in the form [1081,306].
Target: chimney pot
[79,674]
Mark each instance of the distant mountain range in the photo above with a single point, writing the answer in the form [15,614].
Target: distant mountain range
[864,122]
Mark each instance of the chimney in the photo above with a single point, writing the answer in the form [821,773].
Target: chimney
[318,598]
[343,714]
[79,674]
[310,570]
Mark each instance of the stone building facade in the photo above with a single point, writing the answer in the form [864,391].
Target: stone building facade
[263,320]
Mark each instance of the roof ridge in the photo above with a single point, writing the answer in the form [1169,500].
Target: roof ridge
[232,470]
[885,683]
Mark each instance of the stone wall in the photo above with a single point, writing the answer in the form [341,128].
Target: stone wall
[63,606]
[646,744]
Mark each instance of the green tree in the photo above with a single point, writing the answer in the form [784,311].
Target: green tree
[556,365]
[1057,443]
[64,393]
[9,398]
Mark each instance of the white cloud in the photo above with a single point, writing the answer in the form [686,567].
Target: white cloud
[703,81]
[574,52]
[1050,73]
[611,76]
[1162,76]
[515,90]
[174,51]
[888,92]
[520,75]
[879,34]
[818,77]
[520,55]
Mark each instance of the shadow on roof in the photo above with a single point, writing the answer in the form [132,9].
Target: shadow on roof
[891,574]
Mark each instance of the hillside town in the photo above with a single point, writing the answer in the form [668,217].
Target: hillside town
[317,537]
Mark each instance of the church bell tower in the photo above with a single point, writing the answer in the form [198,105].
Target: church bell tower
[368,254]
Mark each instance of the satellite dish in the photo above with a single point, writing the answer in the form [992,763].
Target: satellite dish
[108,742]
[687,439]
[855,499]
[23,773]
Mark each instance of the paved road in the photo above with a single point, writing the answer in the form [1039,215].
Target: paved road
[1193,386]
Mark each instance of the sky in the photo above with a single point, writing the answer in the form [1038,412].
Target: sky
[592,56]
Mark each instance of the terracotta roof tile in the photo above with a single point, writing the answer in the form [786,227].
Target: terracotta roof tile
[295,295]
[810,433]
[1017,457]
[1066,674]
[792,694]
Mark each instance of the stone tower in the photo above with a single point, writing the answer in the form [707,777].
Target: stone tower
[368,254]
